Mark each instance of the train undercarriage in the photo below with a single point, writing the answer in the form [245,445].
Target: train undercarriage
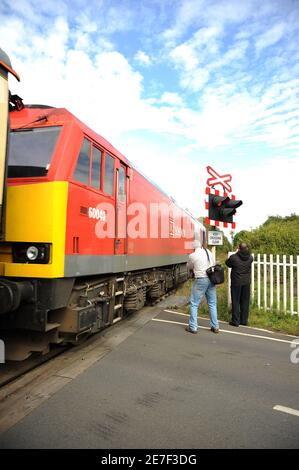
[36,313]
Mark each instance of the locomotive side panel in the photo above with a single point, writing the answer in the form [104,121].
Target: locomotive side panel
[92,211]
[163,228]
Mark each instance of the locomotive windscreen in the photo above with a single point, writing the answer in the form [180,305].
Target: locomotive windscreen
[31,150]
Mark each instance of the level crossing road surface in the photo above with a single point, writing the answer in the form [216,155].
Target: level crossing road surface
[158,386]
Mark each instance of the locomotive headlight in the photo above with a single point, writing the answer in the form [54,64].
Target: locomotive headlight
[32,253]
[38,253]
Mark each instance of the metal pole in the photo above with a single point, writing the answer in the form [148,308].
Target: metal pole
[213,250]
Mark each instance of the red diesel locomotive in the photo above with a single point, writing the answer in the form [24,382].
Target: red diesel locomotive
[87,237]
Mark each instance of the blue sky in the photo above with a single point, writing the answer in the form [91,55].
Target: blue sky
[176,86]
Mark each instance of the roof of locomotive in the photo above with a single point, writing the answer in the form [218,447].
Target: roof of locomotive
[37,115]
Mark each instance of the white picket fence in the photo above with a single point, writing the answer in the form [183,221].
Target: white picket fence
[274,282]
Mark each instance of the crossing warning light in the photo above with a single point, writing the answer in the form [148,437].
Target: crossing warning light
[222,208]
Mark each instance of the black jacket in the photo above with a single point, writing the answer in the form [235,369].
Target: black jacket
[240,263]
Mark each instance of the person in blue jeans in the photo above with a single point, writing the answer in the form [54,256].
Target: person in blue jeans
[199,261]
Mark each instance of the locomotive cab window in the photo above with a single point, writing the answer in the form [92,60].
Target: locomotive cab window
[31,151]
[109,175]
[81,173]
[96,168]
[121,185]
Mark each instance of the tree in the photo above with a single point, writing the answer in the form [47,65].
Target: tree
[278,235]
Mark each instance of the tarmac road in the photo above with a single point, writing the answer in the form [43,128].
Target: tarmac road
[164,388]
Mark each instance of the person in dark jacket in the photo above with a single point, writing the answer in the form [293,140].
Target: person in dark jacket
[240,263]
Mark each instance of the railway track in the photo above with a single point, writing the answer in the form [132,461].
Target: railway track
[12,370]
[29,385]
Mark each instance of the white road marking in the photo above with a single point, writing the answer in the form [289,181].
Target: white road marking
[222,321]
[179,323]
[242,326]
[285,409]
[230,332]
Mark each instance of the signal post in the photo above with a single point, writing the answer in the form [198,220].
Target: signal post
[221,205]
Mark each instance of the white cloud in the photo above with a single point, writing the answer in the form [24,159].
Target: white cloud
[270,37]
[195,80]
[214,12]
[232,55]
[230,11]
[142,58]
[102,89]
[173,99]
[190,57]
[269,188]
[186,15]
[185,56]
[202,55]
[106,81]
[85,24]
[117,18]
[201,46]
[56,43]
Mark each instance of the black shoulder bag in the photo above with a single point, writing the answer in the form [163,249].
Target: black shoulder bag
[215,273]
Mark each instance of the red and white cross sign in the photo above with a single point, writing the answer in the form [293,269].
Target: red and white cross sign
[223,180]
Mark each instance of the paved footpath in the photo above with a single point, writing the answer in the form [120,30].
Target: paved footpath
[161,387]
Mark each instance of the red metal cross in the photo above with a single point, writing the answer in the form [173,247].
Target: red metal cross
[219,179]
